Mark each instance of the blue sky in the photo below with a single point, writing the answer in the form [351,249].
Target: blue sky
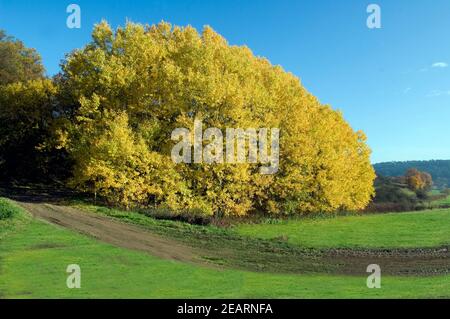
[383,80]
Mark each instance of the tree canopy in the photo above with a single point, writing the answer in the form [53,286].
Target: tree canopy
[108,119]
[418,181]
[126,91]
[17,62]
[26,99]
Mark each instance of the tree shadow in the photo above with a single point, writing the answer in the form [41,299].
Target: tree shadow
[38,193]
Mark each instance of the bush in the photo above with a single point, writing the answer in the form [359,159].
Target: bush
[6,210]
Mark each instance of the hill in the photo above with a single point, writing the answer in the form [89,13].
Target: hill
[439,170]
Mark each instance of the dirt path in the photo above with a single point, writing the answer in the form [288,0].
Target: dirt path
[110,231]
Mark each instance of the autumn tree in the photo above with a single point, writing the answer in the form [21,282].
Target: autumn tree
[26,104]
[418,181]
[127,90]
[25,119]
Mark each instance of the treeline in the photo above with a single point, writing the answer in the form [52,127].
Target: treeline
[439,170]
[103,125]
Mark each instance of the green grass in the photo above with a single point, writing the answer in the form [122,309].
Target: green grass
[416,229]
[434,192]
[34,256]
[442,202]
[9,217]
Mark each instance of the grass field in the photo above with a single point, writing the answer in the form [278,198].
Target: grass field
[34,256]
[444,201]
[416,229]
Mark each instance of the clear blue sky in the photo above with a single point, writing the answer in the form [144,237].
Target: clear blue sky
[383,80]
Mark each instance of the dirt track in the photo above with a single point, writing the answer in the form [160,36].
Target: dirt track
[111,231]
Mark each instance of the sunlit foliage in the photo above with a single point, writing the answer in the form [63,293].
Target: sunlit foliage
[129,89]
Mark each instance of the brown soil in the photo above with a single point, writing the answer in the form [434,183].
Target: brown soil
[430,261]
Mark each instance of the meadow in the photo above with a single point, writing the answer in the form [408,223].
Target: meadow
[34,255]
[395,230]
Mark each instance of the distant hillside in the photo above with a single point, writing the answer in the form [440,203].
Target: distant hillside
[439,170]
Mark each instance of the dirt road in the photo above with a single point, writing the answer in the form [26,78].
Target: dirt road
[110,231]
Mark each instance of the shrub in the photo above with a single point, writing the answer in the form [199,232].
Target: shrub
[6,210]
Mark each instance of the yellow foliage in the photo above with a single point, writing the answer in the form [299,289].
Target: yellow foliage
[24,107]
[132,87]
[417,180]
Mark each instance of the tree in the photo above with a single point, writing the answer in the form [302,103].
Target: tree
[17,62]
[154,79]
[26,105]
[418,181]
[25,120]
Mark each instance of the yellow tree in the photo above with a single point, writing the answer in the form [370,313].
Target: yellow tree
[160,78]
[25,118]
[417,180]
